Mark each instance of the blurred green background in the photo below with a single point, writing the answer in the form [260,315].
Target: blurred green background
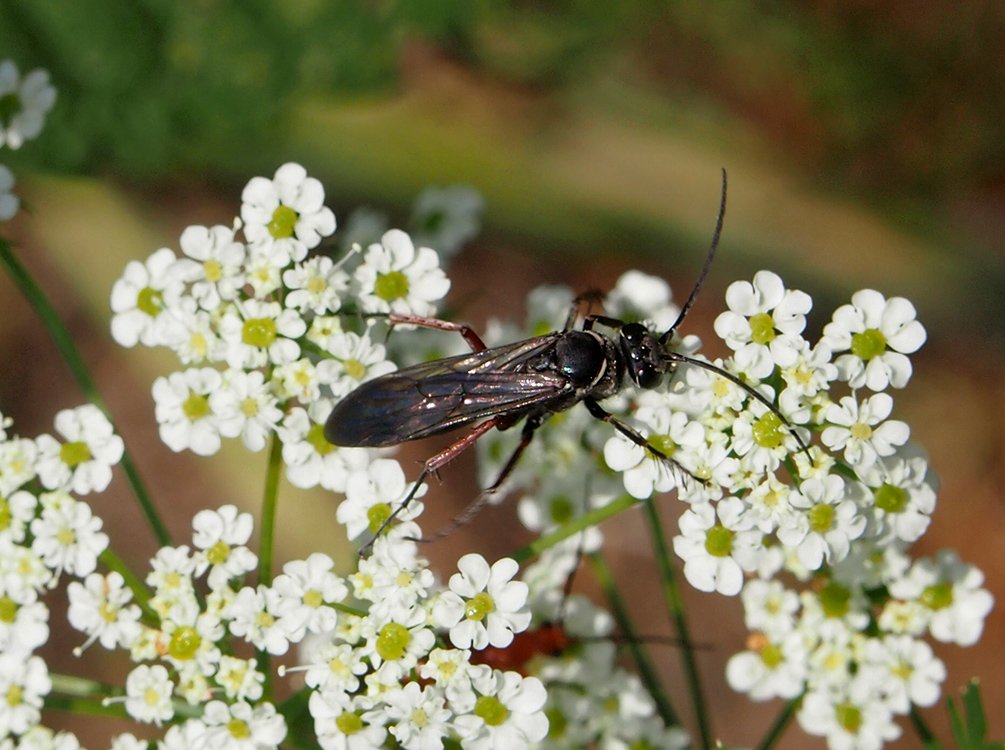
[864,142]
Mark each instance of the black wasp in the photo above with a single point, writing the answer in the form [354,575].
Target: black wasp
[524,381]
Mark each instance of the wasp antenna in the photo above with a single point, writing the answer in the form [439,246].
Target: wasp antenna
[677,357]
[705,268]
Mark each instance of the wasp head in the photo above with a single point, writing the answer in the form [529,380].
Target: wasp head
[643,354]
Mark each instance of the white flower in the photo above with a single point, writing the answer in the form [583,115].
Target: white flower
[876,333]
[670,432]
[638,297]
[143,299]
[416,716]
[148,694]
[851,717]
[906,669]
[84,462]
[241,726]
[763,323]
[354,359]
[25,104]
[716,552]
[372,492]
[286,212]
[24,625]
[184,413]
[9,202]
[508,715]
[309,588]
[769,668]
[101,608]
[258,333]
[395,646]
[315,285]
[17,464]
[67,536]
[832,520]
[951,590]
[239,678]
[396,277]
[859,429]
[769,607]
[903,495]
[334,667]
[215,264]
[338,721]
[446,217]
[484,606]
[23,683]
[221,535]
[255,615]
[246,406]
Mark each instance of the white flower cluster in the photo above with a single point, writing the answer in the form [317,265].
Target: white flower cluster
[767,503]
[24,103]
[271,336]
[46,536]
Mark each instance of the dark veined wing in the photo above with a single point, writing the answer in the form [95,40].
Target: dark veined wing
[432,397]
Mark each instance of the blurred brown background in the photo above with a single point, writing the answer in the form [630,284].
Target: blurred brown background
[865,147]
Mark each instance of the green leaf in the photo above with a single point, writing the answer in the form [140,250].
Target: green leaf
[970,728]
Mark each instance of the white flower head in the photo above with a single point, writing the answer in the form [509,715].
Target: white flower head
[395,276]
[875,335]
[763,323]
[508,713]
[148,694]
[258,332]
[242,726]
[639,297]
[25,103]
[245,406]
[83,463]
[717,544]
[484,606]
[220,536]
[143,302]
[214,265]
[101,607]
[68,536]
[860,429]
[286,213]
[184,413]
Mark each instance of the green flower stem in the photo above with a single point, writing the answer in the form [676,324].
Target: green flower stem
[780,724]
[925,733]
[345,608]
[267,540]
[675,608]
[270,501]
[140,592]
[646,669]
[64,343]
[592,518]
[80,695]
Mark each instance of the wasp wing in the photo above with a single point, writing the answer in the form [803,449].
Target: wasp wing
[433,397]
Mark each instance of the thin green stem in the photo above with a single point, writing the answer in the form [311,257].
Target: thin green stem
[64,343]
[270,501]
[647,671]
[267,539]
[675,609]
[779,725]
[592,518]
[925,733]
